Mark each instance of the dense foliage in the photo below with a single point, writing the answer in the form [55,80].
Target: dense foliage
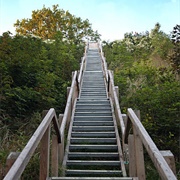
[148,80]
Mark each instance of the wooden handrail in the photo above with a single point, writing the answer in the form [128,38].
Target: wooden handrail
[70,100]
[113,94]
[161,165]
[103,62]
[24,157]
[82,65]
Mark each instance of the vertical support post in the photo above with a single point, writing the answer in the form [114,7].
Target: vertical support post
[132,157]
[117,91]
[68,90]
[11,159]
[61,145]
[44,153]
[139,153]
[169,158]
[54,156]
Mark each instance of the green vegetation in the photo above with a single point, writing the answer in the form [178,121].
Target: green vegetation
[35,69]
[146,69]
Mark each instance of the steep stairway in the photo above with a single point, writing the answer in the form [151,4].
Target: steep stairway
[92,150]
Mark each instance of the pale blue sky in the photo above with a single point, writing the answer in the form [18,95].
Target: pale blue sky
[112,18]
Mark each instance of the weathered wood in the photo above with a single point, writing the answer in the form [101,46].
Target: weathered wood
[162,167]
[22,160]
[56,127]
[139,156]
[139,153]
[117,106]
[127,129]
[169,158]
[68,90]
[11,159]
[44,155]
[132,157]
[61,145]
[121,158]
[54,156]
[117,91]
[68,104]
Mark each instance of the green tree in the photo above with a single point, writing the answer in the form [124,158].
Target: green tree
[175,56]
[45,23]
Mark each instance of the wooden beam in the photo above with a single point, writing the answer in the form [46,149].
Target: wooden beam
[54,156]
[132,157]
[139,153]
[11,159]
[169,158]
[61,145]
[162,167]
[44,155]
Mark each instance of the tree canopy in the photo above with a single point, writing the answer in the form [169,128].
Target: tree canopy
[46,22]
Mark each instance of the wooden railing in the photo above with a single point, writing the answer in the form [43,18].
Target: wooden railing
[134,141]
[133,144]
[82,65]
[42,136]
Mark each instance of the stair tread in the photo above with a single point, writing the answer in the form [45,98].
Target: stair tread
[90,178]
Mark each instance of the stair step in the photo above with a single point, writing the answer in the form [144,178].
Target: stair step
[93,156]
[93,114]
[93,123]
[93,140]
[95,164]
[93,106]
[92,128]
[108,110]
[94,134]
[90,178]
[93,148]
[92,173]
[102,102]
[93,118]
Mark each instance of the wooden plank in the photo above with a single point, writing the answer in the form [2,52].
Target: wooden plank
[162,167]
[139,156]
[11,159]
[117,91]
[169,158]
[117,106]
[68,104]
[22,160]
[61,145]
[126,131]
[132,157]
[54,156]
[44,155]
[118,143]
[139,153]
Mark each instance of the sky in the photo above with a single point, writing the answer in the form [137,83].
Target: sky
[112,18]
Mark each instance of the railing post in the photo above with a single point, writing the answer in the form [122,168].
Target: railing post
[61,145]
[54,156]
[139,152]
[132,157]
[11,159]
[44,152]
[117,91]
[169,158]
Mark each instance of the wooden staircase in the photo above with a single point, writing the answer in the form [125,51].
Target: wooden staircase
[92,149]
[93,119]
